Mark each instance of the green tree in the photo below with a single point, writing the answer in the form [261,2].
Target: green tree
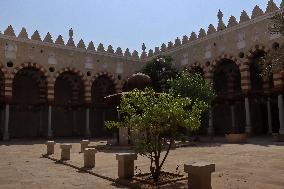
[194,86]
[156,119]
[160,70]
[275,59]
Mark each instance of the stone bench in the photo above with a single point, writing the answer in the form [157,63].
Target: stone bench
[65,151]
[126,165]
[90,157]
[84,144]
[199,175]
[50,147]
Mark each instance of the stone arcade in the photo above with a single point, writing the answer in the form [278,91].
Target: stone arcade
[50,88]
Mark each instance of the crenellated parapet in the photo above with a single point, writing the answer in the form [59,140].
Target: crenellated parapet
[218,32]
[70,44]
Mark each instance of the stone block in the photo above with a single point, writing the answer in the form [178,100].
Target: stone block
[84,144]
[50,147]
[65,151]
[90,157]
[126,165]
[199,175]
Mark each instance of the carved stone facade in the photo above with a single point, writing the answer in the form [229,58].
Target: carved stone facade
[61,78]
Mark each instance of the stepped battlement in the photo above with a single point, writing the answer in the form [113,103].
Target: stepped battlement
[180,42]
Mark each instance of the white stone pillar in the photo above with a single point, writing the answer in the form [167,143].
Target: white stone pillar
[281,118]
[74,122]
[233,117]
[269,119]
[210,122]
[40,121]
[6,135]
[49,128]
[248,118]
[88,133]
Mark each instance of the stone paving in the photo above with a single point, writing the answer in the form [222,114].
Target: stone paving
[258,164]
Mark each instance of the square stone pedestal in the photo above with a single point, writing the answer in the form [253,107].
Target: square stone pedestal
[90,157]
[199,175]
[126,165]
[50,147]
[65,151]
[278,137]
[84,144]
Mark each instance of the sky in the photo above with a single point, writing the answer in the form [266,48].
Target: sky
[120,23]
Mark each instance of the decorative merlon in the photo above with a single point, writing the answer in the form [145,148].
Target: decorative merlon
[232,21]
[101,48]
[151,53]
[244,17]
[23,34]
[170,45]
[177,42]
[91,46]
[119,51]
[271,7]
[135,54]
[36,36]
[127,53]
[211,29]
[157,50]
[163,47]
[59,40]
[193,36]
[48,38]
[10,31]
[184,39]
[81,44]
[202,33]
[256,12]
[110,49]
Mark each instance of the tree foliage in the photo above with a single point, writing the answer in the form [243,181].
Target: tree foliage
[160,70]
[156,119]
[194,86]
[274,60]
[271,62]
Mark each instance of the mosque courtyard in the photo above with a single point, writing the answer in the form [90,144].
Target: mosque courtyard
[257,164]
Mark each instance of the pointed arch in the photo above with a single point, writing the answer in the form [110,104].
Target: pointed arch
[42,80]
[111,77]
[78,73]
[246,66]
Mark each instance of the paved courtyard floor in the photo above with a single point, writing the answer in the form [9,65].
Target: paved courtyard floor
[259,164]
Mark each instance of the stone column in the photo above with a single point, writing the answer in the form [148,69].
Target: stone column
[40,121]
[233,117]
[269,119]
[281,118]
[2,119]
[49,127]
[210,122]
[74,122]
[87,132]
[248,118]
[123,136]
[6,135]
